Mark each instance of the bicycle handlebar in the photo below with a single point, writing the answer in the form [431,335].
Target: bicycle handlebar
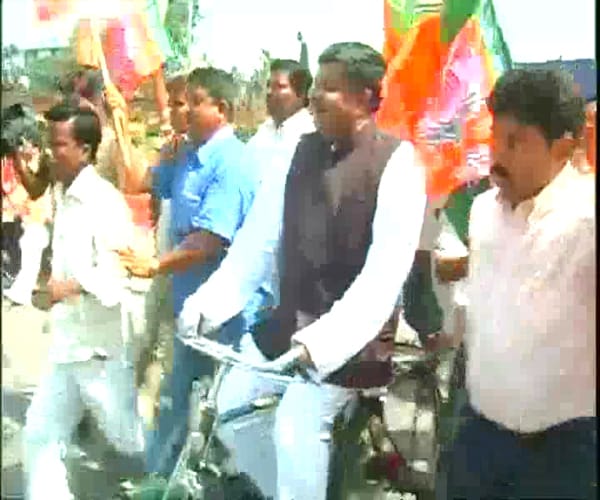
[277,370]
[282,368]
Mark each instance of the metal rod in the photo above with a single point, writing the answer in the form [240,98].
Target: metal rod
[189,28]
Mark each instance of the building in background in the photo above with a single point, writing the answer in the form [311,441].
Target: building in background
[584,73]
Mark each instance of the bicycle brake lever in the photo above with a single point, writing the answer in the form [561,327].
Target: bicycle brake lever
[205,328]
[288,362]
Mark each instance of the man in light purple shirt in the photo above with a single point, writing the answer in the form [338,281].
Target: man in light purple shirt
[530,425]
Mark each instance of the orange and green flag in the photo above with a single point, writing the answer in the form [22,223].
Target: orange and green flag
[134,40]
[443,58]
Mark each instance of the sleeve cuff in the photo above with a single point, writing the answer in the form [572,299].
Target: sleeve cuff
[220,231]
[324,364]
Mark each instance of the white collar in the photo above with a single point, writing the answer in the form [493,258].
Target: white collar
[546,199]
[301,121]
[84,184]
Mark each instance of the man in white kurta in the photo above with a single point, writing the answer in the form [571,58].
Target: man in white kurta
[90,366]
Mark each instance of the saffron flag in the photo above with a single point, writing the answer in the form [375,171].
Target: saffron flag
[443,58]
[134,40]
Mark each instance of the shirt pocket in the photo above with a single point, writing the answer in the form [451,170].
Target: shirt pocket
[72,241]
[188,196]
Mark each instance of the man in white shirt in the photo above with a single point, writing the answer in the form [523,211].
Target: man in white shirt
[530,425]
[287,102]
[344,225]
[90,366]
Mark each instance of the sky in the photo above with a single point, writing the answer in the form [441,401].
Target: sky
[233,32]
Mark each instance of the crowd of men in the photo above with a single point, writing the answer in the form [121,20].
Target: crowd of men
[302,241]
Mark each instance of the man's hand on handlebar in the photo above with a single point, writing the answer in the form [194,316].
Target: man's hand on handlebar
[191,321]
[286,366]
[303,355]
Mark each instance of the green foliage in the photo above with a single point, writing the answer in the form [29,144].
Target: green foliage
[177,25]
[245,133]
[257,86]
[44,73]
[10,70]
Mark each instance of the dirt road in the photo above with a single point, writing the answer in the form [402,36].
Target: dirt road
[96,469]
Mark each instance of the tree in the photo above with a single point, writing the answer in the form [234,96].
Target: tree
[44,73]
[260,77]
[180,27]
[11,71]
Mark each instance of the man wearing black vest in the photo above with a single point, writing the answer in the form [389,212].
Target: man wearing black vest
[343,227]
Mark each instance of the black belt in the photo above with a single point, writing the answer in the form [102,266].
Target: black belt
[531,440]
[526,439]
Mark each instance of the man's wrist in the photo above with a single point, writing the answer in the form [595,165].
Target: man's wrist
[155,267]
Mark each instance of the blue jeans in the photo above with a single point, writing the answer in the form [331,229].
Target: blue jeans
[489,461]
[165,443]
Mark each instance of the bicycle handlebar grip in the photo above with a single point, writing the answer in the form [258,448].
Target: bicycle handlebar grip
[285,363]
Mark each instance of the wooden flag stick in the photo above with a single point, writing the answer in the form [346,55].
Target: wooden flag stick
[119,118]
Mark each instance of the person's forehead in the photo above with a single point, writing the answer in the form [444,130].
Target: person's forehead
[280,76]
[62,129]
[332,71]
[506,124]
[197,91]
[178,94]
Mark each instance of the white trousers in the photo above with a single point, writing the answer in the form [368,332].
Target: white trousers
[303,426]
[33,242]
[104,387]
[303,438]
[239,386]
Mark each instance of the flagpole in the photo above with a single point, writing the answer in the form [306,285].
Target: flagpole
[119,119]
[189,31]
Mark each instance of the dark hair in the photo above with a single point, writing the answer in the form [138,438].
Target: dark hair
[19,124]
[86,82]
[300,78]
[219,84]
[543,98]
[176,82]
[365,66]
[86,124]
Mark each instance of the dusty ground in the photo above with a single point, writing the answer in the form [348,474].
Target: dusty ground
[24,360]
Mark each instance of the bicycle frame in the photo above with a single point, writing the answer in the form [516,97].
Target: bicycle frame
[195,458]
[204,418]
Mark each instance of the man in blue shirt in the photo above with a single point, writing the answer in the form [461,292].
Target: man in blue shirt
[211,187]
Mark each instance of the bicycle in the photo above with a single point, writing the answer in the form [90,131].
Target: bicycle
[206,470]
[416,382]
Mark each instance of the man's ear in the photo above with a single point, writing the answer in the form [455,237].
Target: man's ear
[564,147]
[365,100]
[225,109]
[87,152]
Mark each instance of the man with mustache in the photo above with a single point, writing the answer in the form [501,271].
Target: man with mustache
[341,228]
[530,424]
